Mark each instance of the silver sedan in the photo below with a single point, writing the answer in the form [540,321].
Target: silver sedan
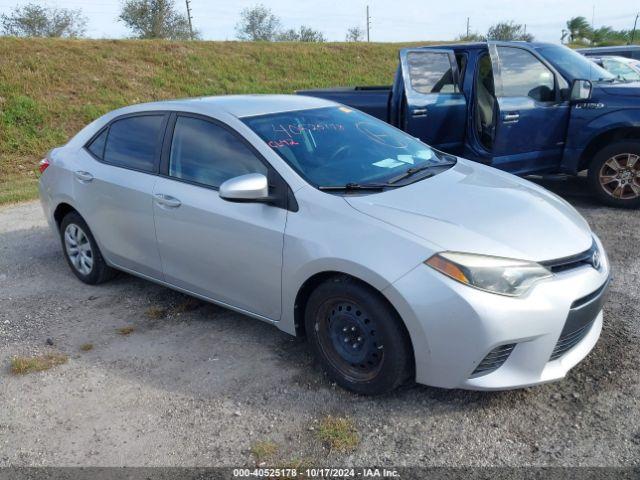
[397,262]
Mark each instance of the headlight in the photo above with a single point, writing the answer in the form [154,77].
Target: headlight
[504,276]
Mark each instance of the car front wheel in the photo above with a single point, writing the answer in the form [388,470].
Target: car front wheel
[614,174]
[357,337]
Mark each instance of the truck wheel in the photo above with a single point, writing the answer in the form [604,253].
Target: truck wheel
[614,174]
[357,337]
[82,252]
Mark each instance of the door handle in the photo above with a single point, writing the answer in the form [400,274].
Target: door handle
[83,176]
[512,117]
[419,112]
[167,201]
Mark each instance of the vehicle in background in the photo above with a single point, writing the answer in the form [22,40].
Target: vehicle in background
[527,108]
[622,67]
[628,51]
[396,261]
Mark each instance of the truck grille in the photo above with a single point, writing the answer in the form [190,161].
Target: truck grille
[569,340]
[494,360]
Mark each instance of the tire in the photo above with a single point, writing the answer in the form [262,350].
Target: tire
[87,264]
[614,174]
[357,337]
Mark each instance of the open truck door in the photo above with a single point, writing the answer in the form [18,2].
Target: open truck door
[531,115]
[433,109]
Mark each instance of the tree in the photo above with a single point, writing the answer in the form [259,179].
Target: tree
[355,34]
[257,23]
[156,19]
[33,20]
[303,34]
[578,29]
[506,31]
[472,37]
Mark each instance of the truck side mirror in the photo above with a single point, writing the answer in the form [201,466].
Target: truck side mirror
[581,90]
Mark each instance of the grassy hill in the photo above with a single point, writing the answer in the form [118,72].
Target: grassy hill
[50,88]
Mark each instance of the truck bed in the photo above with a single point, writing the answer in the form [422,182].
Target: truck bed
[372,100]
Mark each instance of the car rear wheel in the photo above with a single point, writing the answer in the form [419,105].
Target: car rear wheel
[614,174]
[357,337]
[82,252]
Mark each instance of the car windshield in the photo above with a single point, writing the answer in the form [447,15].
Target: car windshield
[336,146]
[574,65]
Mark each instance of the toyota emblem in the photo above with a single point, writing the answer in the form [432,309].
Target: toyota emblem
[595,260]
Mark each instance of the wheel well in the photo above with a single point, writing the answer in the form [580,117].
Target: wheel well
[605,139]
[61,211]
[313,282]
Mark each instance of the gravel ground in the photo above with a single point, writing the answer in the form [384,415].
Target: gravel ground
[198,385]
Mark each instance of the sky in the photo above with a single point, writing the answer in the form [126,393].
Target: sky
[391,20]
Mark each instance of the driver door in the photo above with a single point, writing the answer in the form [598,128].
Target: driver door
[228,252]
[532,118]
[435,110]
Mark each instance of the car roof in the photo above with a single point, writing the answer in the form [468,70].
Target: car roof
[236,105]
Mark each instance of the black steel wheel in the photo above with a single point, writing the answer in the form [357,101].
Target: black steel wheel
[357,337]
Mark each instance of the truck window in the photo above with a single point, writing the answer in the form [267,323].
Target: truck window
[431,72]
[523,75]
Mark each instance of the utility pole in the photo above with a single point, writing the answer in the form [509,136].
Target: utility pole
[633,32]
[468,28]
[189,17]
[368,25]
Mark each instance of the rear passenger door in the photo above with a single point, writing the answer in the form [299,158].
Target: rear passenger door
[225,251]
[435,109]
[113,188]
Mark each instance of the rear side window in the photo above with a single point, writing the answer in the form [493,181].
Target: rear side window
[523,75]
[431,72]
[133,142]
[206,153]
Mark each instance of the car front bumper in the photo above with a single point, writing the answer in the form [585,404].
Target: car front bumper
[454,327]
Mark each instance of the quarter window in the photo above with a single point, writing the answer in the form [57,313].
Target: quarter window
[133,142]
[206,153]
[431,72]
[523,75]
[97,146]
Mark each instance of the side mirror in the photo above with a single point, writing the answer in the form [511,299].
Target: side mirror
[252,187]
[581,90]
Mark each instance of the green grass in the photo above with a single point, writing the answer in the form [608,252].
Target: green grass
[40,363]
[51,88]
[339,434]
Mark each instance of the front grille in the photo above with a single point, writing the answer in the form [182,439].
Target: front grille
[494,360]
[574,261]
[569,340]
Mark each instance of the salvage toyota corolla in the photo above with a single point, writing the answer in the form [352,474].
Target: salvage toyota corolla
[395,260]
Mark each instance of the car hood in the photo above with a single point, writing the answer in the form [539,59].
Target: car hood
[631,89]
[477,209]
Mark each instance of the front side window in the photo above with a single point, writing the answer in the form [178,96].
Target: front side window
[133,142]
[431,72]
[523,75]
[206,153]
[335,146]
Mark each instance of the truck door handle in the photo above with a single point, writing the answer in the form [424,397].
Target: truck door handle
[167,201]
[83,176]
[511,117]
[419,112]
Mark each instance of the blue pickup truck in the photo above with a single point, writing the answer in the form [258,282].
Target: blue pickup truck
[527,108]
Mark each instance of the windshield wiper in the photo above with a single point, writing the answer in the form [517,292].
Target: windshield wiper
[410,172]
[355,186]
